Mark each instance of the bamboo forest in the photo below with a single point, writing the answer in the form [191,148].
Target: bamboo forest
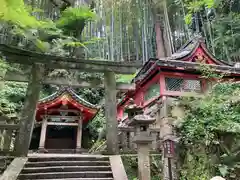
[120,89]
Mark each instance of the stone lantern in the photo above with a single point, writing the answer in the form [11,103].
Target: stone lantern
[132,109]
[143,140]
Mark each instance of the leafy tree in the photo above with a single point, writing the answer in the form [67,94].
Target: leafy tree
[210,134]
[18,13]
[216,20]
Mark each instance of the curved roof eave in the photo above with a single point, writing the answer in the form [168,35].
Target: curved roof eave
[187,50]
[70,91]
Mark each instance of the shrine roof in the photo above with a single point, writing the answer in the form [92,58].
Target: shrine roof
[70,91]
[186,54]
[189,59]
[64,100]
[191,46]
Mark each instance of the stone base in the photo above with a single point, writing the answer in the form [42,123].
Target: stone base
[143,139]
[42,150]
[79,150]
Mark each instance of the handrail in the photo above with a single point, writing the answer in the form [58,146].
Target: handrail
[118,169]
[14,169]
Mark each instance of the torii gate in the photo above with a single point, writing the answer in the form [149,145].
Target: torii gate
[38,62]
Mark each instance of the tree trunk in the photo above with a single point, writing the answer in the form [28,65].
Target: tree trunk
[167,27]
[135,28]
[159,40]
[145,30]
[112,33]
[27,119]
[166,41]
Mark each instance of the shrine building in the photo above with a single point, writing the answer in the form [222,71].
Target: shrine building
[60,119]
[175,76]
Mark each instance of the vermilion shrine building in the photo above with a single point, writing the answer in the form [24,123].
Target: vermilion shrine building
[61,117]
[178,75]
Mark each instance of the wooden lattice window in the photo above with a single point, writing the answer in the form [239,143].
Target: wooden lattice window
[185,85]
[152,91]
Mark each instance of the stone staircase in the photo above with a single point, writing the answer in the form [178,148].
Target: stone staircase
[55,167]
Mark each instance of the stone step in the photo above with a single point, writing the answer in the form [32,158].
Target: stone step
[78,179]
[65,175]
[64,169]
[67,163]
[66,151]
[77,158]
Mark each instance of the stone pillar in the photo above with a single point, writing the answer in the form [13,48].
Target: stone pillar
[43,134]
[144,170]
[111,113]
[132,145]
[154,143]
[7,136]
[79,136]
[28,112]
[168,140]
[123,139]
[143,140]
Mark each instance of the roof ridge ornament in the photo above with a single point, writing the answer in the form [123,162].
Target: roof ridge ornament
[65,87]
[200,38]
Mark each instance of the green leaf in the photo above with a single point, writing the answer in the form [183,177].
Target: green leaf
[43,46]
[209,3]
[188,19]
[223,169]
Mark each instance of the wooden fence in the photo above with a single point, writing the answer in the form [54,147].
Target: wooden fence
[8,138]
[126,143]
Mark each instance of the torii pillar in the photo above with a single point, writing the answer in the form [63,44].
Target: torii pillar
[111,113]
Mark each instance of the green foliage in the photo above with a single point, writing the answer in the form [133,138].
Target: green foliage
[73,19]
[208,72]
[125,78]
[16,12]
[12,98]
[98,146]
[210,134]
[3,65]
[131,166]
[196,166]
[59,38]
[96,125]
[196,6]
[219,21]
[188,19]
